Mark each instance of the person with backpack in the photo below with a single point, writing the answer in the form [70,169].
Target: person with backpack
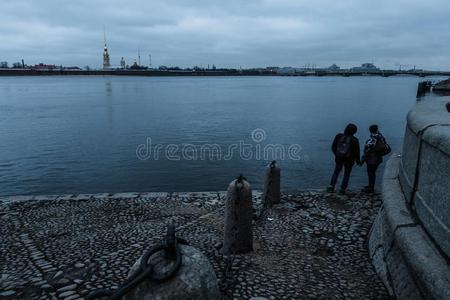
[346,151]
[374,150]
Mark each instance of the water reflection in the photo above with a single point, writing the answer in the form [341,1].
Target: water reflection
[109,102]
[108,87]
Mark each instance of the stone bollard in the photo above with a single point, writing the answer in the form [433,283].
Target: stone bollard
[238,233]
[271,191]
[194,280]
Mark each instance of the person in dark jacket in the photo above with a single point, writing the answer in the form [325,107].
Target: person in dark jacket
[372,157]
[346,151]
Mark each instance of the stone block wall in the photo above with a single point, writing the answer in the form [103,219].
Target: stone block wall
[409,243]
[425,168]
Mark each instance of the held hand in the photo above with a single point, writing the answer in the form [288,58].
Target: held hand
[361,162]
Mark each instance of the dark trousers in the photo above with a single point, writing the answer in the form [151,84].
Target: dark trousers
[371,173]
[347,172]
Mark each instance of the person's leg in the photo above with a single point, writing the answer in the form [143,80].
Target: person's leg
[347,172]
[371,172]
[366,189]
[337,170]
[369,176]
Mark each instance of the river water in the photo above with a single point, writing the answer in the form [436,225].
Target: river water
[84,134]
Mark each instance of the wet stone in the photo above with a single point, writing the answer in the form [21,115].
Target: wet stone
[65,294]
[57,274]
[67,288]
[72,297]
[63,281]
[46,286]
[310,245]
[7,293]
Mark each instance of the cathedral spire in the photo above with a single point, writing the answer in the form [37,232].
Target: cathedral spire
[106,64]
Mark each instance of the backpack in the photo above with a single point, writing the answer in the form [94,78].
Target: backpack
[382,148]
[343,149]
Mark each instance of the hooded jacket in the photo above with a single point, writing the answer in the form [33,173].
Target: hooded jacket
[350,130]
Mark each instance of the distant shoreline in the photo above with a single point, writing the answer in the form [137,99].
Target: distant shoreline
[33,72]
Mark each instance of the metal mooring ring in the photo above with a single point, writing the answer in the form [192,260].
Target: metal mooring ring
[166,275]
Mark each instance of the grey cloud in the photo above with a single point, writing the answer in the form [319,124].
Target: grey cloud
[229,33]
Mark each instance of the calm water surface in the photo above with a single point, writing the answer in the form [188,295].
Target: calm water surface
[80,134]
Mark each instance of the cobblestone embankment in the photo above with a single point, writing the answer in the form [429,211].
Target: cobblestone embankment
[312,245]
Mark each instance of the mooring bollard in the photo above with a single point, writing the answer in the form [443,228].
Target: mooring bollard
[171,270]
[423,87]
[238,234]
[271,191]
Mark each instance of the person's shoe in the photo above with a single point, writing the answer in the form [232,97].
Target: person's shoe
[368,190]
[330,189]
[342,191]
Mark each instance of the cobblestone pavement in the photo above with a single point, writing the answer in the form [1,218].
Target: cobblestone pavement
[312,245]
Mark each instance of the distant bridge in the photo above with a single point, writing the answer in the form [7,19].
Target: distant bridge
[382,73]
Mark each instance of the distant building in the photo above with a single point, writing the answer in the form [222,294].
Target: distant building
[106,63]
[74,68]
[136,66]
[122,63]
[286,70]
[43,66]
[4,65]
[273,68]
[366,68]
[17,65]
[334,67]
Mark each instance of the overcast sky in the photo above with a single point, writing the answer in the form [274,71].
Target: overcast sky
[229,33]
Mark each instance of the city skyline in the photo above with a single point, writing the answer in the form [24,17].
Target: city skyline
[253,34]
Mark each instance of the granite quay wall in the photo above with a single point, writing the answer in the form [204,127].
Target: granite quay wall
[410,240]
